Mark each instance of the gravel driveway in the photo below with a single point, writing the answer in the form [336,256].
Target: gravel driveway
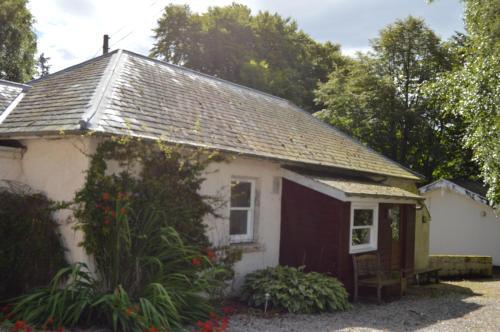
[449,306]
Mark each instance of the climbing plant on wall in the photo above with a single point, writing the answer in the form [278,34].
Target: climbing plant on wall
[133,179]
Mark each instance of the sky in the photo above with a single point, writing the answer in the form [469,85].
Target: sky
[70,31]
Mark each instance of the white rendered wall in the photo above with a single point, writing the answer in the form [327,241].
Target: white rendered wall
[10,164]
[458,227]
[264,250]
[55,167]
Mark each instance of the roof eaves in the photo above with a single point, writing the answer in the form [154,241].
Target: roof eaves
[42,134]
[268,156]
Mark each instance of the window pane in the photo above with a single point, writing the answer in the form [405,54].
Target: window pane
[360,236]
[363,217]
[238,222]
[395,219]
[240,194]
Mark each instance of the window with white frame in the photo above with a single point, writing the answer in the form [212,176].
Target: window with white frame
[241,216]
[364,227]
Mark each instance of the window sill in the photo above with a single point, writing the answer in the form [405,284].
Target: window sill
[361,250]
[249,247]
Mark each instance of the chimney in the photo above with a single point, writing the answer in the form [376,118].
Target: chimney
[105,44]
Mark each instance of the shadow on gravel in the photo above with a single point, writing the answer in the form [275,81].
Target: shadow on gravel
[422,306]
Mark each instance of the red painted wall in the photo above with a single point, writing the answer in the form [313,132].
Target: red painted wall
[315,233]
[314,230]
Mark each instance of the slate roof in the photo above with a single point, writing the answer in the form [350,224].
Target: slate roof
[8,92]
[128,94]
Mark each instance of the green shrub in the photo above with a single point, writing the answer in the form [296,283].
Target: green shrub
[170,296]
[30,248]
[295,291]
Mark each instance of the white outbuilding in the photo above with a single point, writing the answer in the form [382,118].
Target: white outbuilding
[462,221]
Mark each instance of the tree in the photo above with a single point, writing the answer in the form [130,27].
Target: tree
[472,89]
[376,97]
[17,41]
[43,66]
[264,51]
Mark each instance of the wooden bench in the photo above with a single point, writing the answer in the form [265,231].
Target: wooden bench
[425,275]
[368,272]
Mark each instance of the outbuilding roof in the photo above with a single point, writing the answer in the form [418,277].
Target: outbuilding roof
[125,93]
[470,189]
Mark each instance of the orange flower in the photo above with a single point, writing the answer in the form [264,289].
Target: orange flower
[130,311]
[105,196]
[210,254]
[195,262]
[123,211]
[152,329]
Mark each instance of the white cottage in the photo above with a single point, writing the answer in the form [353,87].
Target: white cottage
[44,143]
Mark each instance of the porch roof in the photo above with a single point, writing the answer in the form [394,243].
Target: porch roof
[346,189]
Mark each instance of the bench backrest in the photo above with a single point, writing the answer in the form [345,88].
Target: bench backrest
[366,265]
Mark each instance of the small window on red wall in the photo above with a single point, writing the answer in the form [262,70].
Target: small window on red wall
[364,227]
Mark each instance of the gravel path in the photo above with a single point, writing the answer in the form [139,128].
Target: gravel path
[449,306]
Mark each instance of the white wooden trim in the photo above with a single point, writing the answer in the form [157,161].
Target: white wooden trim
[315,185]
[373,245]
